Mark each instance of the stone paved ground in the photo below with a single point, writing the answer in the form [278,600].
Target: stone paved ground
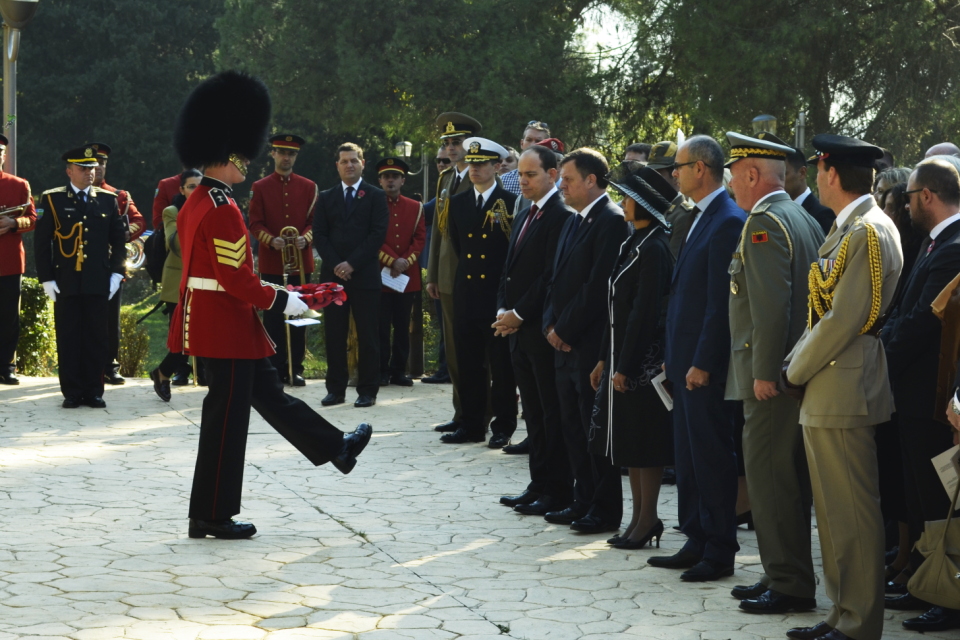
[411,545]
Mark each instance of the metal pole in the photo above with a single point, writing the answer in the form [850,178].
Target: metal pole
[416,360]
[11,47]
[801,130]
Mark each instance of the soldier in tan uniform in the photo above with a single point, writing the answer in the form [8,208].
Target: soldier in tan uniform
[769,271]
[442,262]
[662,157]
[840,366]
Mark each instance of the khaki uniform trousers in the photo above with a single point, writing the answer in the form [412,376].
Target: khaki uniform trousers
[846,497]
[446,304]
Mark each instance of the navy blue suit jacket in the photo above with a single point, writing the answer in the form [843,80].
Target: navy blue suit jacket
[698,327]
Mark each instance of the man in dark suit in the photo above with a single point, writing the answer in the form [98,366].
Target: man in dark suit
[350,225]
[697,355]
[479,228]
[573,321]
[795,184]
[911,341]
[523,288]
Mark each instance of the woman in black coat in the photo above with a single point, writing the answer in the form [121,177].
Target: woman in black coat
[630,423]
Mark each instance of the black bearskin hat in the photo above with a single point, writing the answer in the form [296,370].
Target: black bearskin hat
[226,114]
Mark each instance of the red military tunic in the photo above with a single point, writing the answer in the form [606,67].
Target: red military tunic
[167,190]
[126,207]
[219,292]
[15,191]
[277,202]
[406,237]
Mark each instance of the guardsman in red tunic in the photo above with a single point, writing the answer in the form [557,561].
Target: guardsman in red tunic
[135,226]
[216,318]
[406,236]
[21,217]
[167,190]
[280,201]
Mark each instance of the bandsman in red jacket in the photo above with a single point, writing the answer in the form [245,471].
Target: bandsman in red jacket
[216,318]
[135,226]
[282,200]
[406,236]
[14,192]
[167,190]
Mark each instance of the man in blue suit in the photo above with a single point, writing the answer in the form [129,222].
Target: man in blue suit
[697,354]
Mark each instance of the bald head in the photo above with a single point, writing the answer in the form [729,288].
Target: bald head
[942,149]
[754,178]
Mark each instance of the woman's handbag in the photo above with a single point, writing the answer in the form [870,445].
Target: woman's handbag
[937,580]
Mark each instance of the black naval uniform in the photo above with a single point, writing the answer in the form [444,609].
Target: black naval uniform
[80,244]
[481,244]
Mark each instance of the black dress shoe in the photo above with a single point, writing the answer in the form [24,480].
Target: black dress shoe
[809,633]
[331,399]
[298,380]
[447,427]
[746,518]
[461,436]
[162,387]
[683,559]
[592,523]
[113,377]
[522,447]
[385,380]
[895,588]
[742,592]
[936,619]
[669,476]
[179,380]
[401,381]
[655,533]
[70,402]
[524,498]
[9,378]
[353,444]
[906,602]
[228,529]
[706,571]
[775,602]
[498,441]
[94,402]
[436,379]
[365,401]
[543,506]
[565,516]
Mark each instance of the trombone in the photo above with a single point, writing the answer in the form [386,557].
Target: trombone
[292,264]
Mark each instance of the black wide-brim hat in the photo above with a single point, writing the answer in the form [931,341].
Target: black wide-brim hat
[645,186]
[227,114]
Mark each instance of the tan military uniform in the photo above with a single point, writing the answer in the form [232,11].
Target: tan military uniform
[768,313]
[680,217]
[848,392]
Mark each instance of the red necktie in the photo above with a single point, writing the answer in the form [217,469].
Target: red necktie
[534,213]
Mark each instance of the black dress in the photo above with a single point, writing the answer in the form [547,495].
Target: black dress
[633,427]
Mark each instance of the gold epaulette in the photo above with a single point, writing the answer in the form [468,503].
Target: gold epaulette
[56,190]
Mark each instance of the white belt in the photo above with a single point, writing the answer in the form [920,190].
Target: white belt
[204,284]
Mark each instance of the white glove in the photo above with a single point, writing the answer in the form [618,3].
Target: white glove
[295,306]
[51,289]
[115,280]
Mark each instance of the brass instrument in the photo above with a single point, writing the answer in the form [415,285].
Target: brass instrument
[292,263]
[135,254]
[13,211]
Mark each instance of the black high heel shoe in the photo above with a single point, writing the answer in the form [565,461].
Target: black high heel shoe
[655,532]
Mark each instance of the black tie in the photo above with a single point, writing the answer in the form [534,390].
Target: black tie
[577,219]
[82,197]
[456,185]
[683,243]
[480,203]
[348,199]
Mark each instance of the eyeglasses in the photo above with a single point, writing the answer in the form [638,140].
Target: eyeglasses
[536,124]
[677,167]
[906,193]
[443,160]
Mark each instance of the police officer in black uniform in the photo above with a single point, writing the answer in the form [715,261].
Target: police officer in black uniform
[80,254]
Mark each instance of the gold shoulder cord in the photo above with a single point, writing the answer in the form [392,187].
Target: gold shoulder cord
[499,215]
[442,213]
[743,236]
[77,229]
[822,289]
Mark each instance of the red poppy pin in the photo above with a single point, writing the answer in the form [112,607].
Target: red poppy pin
[361,193]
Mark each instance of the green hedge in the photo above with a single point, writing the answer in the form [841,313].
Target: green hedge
[37,348]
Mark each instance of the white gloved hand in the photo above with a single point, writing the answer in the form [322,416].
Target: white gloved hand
[115,280]
[51,289]
[295,306]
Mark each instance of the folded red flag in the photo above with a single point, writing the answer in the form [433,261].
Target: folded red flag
[319,295]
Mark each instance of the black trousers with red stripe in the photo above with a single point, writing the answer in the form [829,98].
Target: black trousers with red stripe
[234,386]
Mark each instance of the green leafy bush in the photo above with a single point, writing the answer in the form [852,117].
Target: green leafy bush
[134,344]
[37,347]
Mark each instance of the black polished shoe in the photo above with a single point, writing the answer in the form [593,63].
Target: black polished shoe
[162,387]
[228,529]
[365,401]
[298,380]
[461,436]
[542,506]
[94,402]
[353,444]
[565,516]
[114,377]
[746,518]
[669,476]
[401,381]
[498,441]
[906,602]
[743,592]
[179,381]
[895,588]
[524,498]
[809,633]
[654,533]
[522,447]
[9,378]
[775,602]
[706,571]
[683,559]
[70,402]
[592,523]
[384,379]
[436,379]
[331,399]
[447,427]
[936,619]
